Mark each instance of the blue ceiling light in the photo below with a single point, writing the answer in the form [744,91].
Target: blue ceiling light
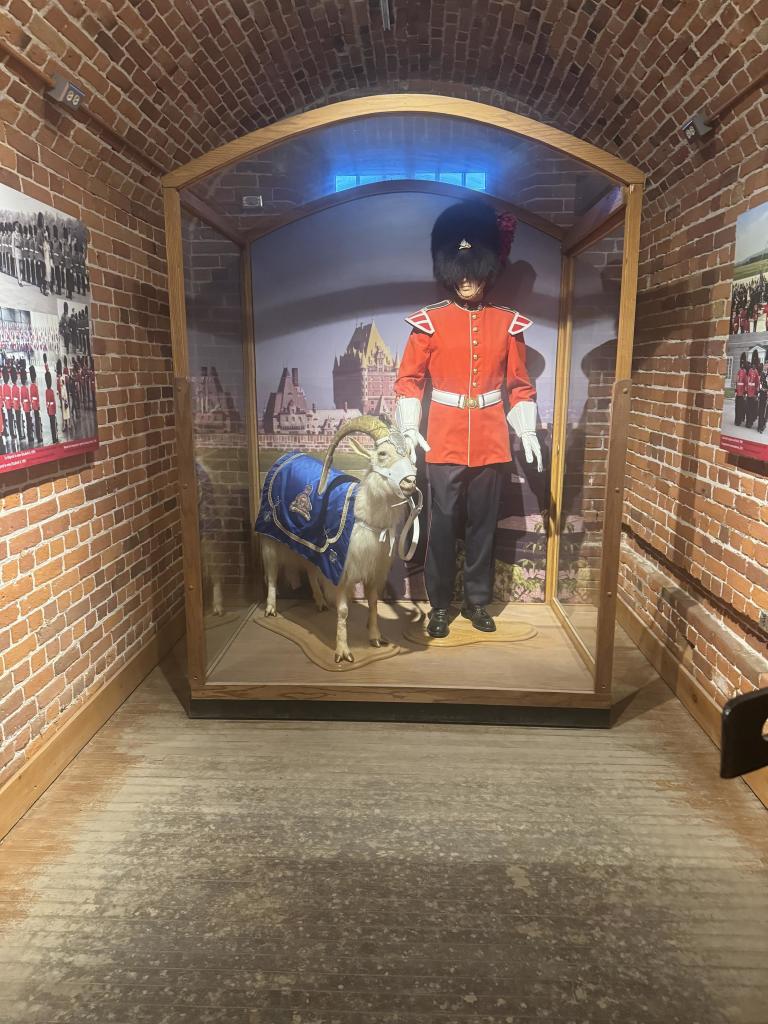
[476,180]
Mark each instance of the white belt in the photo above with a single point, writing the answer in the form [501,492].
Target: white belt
[466,401]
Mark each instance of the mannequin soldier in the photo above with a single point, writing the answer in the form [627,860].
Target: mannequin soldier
[474,356]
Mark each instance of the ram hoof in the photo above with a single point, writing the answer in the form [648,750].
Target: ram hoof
[269,612]
[381,642]
[339,658]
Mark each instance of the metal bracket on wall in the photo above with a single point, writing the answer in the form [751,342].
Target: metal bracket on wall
[744,747]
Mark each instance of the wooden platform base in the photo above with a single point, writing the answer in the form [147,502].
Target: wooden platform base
[545,660]
[269,675]
[403,711]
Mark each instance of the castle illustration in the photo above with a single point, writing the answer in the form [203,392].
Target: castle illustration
[363,383]
[365,375]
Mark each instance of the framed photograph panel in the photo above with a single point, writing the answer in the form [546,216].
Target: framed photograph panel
[47,381]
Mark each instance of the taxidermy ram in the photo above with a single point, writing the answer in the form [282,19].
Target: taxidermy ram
[339,530]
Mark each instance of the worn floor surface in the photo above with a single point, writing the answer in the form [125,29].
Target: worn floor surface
[204,872]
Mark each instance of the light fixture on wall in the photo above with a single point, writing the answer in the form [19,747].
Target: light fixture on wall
[696,127]
[252,202]
[66,92]
[386,14]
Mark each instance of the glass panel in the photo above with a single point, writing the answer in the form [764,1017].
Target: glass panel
[214,331]
[329,310]
[262,189]
[595,310]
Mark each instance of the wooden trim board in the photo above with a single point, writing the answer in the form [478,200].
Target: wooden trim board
[700,705]
[409,693]
[612,506]
[194,205]
[53,756]
[402,103]
[390,711]
[559,424]
[596,222]
[399,187]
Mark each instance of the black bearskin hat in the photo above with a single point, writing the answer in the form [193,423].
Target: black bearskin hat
[466,244]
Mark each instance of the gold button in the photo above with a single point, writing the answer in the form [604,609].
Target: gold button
[474,355]
[475,328]
[475,341]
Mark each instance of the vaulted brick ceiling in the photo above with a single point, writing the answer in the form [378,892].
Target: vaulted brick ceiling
[186,75]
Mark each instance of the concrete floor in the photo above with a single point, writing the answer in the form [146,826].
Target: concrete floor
[200,872]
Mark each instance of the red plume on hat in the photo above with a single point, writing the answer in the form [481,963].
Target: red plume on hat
[507,224]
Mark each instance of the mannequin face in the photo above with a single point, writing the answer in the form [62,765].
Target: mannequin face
[470,291]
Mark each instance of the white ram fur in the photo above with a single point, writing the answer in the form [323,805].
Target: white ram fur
[378,507]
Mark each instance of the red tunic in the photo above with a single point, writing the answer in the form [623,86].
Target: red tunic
[753,381]
[7,397]
[34,397]
[25,402]
[50,401]
[741,382]
[16,397]
[469,352]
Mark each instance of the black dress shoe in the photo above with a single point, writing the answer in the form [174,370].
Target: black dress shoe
[479,618]
[438,623]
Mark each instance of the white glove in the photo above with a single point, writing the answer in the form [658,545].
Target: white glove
[522,419]
[407,421]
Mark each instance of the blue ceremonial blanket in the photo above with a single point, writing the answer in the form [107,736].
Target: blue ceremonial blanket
[318,527]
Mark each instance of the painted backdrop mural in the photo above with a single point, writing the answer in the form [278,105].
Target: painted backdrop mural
[330,295]
[47,387]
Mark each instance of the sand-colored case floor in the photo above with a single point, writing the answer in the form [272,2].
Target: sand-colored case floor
[256,655]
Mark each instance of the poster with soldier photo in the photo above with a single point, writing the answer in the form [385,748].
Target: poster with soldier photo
[745,407]
[47,387]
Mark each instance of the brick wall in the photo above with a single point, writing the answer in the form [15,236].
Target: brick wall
[89,556]
[90,564]
[698,515]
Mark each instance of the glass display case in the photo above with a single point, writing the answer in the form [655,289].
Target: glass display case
[294,255]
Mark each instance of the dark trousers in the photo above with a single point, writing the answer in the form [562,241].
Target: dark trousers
[468,494]
[751,411]
[740,409]
[762,403]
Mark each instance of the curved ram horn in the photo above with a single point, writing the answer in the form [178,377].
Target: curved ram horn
[370,425]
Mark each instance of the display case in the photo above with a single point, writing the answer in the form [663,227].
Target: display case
[294,255]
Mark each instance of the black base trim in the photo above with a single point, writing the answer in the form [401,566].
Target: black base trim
[389,711]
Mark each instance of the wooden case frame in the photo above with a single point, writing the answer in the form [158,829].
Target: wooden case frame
[622,205]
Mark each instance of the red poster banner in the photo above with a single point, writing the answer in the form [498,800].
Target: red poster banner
[752,449]
[34,456]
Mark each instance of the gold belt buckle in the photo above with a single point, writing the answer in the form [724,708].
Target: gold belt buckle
[471,403]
